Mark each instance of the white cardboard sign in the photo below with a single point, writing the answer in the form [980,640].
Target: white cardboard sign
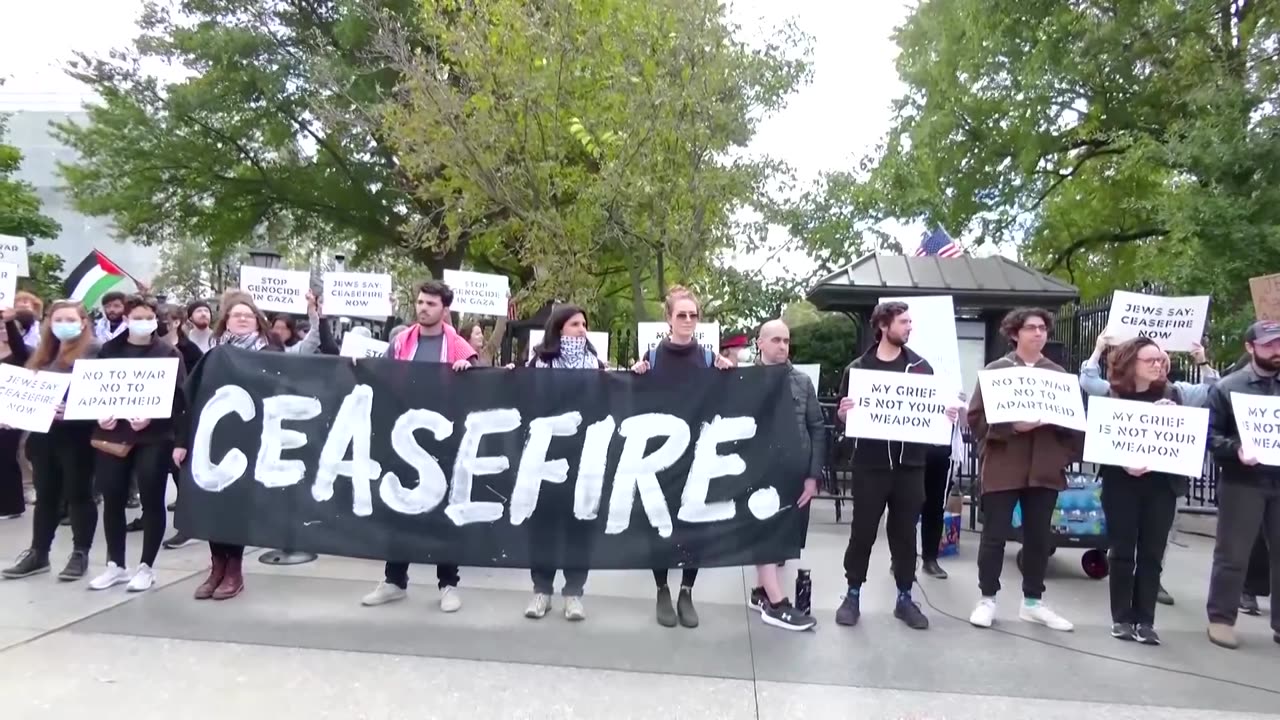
[478,293]
[813,370]
[934,337]
[903,407]
[8,284]
[1258,422]
[598,340]
[650,334]
[352,294]
[277,290]
[359,346]
[1173,322]
[30,398]
[13,249]
[1161,438]
[122,388]
[1027,394]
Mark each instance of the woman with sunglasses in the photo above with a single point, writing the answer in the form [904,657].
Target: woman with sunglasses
[676,359]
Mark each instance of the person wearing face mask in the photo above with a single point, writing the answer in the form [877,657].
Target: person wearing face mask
[676,359]
[13,351]
[143,447]
[1248,491]
[564,345]
[199,316]
[62,459]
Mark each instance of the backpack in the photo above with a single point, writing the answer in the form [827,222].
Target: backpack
[708,359]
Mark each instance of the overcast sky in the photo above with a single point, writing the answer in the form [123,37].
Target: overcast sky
[826,125]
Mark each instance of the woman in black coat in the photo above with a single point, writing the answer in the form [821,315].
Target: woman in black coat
[13,351]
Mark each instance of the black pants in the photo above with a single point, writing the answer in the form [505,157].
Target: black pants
[62,471]
[1242,509]
[1037,537]
[1257,579]
[544,580]
[1140,513]
[225,551]
[148,466]
[12,501]
[937,471]
[398,574]
[901,490]
[688,577]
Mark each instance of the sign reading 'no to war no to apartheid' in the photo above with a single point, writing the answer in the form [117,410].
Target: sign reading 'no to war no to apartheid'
[1161,438]
[1026,394]
[414,462]
[905,407]
[122,389]
[1258,421]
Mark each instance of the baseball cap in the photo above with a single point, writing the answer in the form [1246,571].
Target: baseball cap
[1263,332]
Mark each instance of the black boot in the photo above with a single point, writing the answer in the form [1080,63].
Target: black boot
[684,608]
[933,569]
[666,613]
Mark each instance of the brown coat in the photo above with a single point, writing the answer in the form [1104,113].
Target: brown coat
[1012,460]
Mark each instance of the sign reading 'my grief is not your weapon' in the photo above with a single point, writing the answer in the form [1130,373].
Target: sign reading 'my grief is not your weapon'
[1161,438]
[905,407]
[130,389]
[1026,394]
[493,468]
[1258,420]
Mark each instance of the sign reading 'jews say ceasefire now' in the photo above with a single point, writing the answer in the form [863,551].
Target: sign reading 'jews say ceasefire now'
[1175,323]
[558,468]
[1027,394]
[1161,438]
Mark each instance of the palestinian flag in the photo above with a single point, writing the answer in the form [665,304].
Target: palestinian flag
[93,278]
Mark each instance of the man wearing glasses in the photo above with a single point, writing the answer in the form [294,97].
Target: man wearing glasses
[1022,464]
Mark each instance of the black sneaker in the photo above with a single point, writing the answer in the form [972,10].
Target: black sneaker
[29,563]
[1249,605]
[784,616]
[179,539]
[1146,635]
[1123,631]
[933,569]
[133,503]
[759,600]
[77,566]
[849,611]
[135,525]
[666,613]
[1163,597]
[684,608]
[909,613]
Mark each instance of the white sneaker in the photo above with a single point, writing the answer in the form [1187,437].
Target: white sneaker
[383,594]
[143,579]
[538,606]
[450,600]
[573,609]
[113,575]
[985,614]
[1042,615]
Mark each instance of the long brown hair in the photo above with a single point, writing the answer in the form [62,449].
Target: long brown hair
[1122,362]
[51,350]
[232,298]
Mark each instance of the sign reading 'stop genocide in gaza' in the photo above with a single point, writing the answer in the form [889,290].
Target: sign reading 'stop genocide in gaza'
[1176,323]
[276,290]
[1161,438]
[478,293]
[1026,394]
[352,294]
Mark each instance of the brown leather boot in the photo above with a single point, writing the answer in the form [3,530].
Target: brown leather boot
[232,582]
[216,572]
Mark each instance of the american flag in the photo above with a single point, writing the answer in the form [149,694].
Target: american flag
[938,243]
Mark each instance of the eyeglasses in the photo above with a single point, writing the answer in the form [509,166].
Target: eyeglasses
[1152,361]
[1036,328]
[241,316]
[686,316]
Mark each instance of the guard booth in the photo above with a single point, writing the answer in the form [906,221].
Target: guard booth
[983,290]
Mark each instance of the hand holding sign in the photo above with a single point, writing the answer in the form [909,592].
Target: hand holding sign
[139,424]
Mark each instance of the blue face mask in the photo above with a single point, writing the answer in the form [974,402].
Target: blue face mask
[142,328]
[67,330]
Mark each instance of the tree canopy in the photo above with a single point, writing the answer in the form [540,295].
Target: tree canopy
[1115,142]
[20,216]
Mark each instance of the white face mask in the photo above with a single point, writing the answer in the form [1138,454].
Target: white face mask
[141,328]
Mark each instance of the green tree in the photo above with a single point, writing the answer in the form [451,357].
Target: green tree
[20,216]
[577,136]
[830,342]
[1116,143]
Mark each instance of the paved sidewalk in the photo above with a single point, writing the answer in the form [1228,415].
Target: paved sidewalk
[297,643]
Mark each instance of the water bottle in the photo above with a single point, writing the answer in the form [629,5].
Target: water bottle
[804,591]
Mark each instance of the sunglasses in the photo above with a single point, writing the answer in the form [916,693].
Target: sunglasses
[686,316]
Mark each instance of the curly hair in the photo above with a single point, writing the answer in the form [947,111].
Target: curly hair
[1016,318]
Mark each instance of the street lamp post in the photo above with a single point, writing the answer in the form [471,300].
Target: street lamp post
[270,259]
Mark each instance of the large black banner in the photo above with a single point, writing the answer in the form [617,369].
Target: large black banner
[489,467]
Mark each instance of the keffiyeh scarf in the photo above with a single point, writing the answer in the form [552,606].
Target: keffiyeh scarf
[252,341]
[574,355]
